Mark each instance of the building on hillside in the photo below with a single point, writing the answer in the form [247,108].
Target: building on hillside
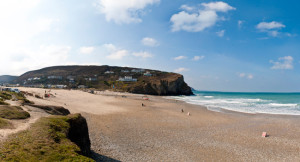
[137,70]
[61,86]
[127,79]
[109,72]
[125,71]
[55,77]
[147,74]
[92,79]
[82,87]
[70,77]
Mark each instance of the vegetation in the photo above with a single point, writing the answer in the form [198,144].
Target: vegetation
[46,140]
[13,112]
[2,102]
[5,124]
[5,95]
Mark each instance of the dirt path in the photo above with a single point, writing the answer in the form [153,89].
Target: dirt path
[20,125]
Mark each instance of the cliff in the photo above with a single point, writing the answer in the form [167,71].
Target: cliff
[142,81]
[171,86]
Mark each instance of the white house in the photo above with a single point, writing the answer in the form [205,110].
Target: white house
[125,71]
[137,70]
[81,86]
[109,72]
[127,79]
[93,79]
[55,77]
[147,74]
[61,86]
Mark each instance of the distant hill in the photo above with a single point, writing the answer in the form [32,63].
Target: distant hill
[124,79]
[7,78]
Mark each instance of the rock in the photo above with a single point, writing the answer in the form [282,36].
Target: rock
[165,86]
[79,133]
[53,110]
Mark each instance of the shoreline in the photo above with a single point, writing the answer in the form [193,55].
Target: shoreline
[224,110]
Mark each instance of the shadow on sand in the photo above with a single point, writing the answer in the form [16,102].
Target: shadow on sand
[97,157]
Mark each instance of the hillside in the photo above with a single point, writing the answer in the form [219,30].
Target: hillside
[7,78]
[123,79]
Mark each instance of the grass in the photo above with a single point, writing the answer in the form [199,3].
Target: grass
[2,102]
[13,112]
[5,96]
[46,140]
[5,124]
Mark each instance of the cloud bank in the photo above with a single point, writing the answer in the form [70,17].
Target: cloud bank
[196,20]
[123,12]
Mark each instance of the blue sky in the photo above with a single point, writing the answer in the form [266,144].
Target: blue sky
[217,45]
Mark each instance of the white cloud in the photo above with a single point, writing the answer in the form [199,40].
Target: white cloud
[244,75]
[187,8]
[121,11]
[86,50]
[240,23]
[31,59]
[22,30]
[180,70]
[250,76]
[270,25]
[198,20]
[285,63]
[143,54]
[179,57]
[271,28]
[115,53]
[151,42]
[218,6]
[220,33]
[196,58]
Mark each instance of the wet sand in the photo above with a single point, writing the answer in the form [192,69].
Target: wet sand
[122,129]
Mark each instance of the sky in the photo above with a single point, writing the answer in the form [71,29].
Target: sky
[245,46]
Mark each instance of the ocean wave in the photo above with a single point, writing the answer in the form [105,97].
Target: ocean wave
[245,105]
[283,105]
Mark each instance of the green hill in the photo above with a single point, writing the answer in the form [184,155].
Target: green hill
[143,81]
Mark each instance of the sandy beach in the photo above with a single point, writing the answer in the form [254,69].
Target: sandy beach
[121,129]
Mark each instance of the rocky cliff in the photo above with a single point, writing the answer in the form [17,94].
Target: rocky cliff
[169,86]
[79,133]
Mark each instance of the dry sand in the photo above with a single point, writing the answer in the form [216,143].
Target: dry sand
[121,129]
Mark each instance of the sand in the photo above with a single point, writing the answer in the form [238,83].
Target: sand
[122,129]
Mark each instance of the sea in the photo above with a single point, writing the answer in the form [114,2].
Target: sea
[268,103]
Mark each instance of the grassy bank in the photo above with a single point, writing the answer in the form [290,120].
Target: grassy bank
[2,102]
[13,112]
[46,140]
[5,124]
